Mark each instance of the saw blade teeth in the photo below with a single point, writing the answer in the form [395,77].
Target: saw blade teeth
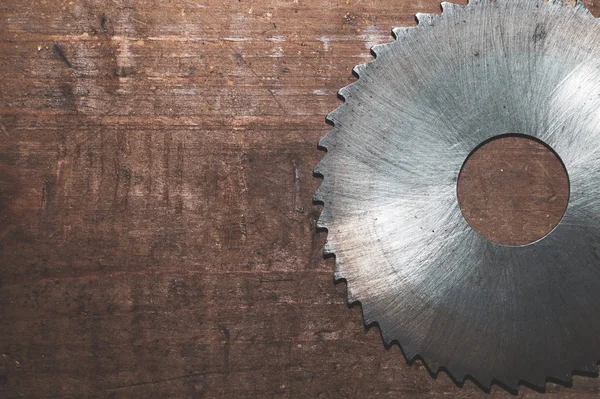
[423,18]
[338,271]
[410,354]
[350,295]
[512,384]
[581,7]
[350,300]
[324,219]
[326,142]
[323,163]
[329,218]
[400,31]
[538,381]
[456,375]
[388,339]
[367,315]
[344,91]
[359,69]
[449,7]
[486,383]
[318,197]
[432,366]
[483,380]
[379,49]
[565,379]
[328,248]
[333,116]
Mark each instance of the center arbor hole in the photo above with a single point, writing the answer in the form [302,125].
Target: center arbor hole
[513,189]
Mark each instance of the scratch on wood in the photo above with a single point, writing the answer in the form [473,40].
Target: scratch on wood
[243,197]
[44,194]
[60,51]
[325,40]
[297,200]
[241,59]
[166,169]
[4,129]
[226,343]
[139,21]
[104,22]
[181,377]
[277,101]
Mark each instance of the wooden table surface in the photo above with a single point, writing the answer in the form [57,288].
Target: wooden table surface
[157,235]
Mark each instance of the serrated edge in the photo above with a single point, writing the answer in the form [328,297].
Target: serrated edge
[411,355]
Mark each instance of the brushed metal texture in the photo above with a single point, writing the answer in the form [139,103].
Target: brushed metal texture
[498,314]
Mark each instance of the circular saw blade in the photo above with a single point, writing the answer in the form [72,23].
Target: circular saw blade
[445,294]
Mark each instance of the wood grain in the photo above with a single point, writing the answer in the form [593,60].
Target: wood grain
[157,234]
[513,190]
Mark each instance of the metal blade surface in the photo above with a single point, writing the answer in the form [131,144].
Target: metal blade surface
[435,286]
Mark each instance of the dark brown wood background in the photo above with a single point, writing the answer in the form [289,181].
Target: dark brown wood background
[157,236]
